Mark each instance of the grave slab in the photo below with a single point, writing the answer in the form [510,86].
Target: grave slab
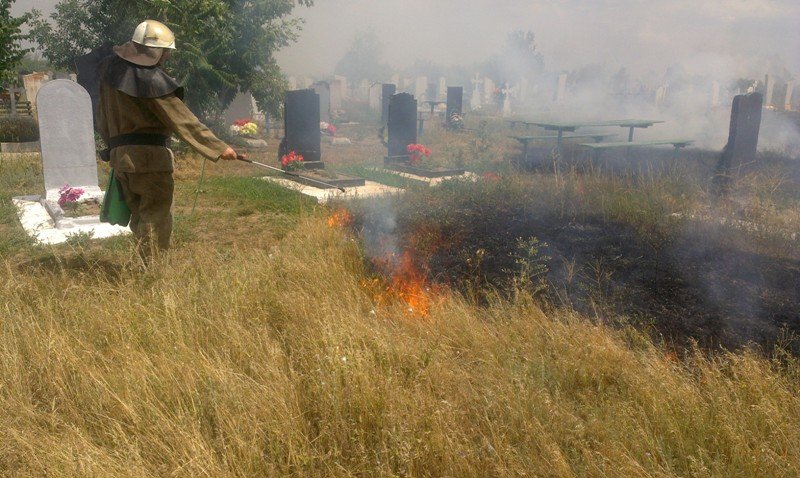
[40,225]
[68,158]
[368,190]
[432,181]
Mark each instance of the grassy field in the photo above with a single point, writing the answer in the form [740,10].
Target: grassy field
[267,344]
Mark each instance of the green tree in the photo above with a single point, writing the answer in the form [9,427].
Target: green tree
[223,45]
[363,60]
[519,59]
[11,52]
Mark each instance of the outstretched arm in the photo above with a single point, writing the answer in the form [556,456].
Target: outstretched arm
[181,121]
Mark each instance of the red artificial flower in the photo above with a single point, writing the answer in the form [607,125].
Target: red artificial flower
[417,152]
[288,160]
[241,122]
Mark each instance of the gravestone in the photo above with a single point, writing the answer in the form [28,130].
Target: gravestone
[301,125]
[432,92]
[787,103]
[344,86]
[323,90]
[455,103]
[33,83]
[475,102]
[67,138]
[337,95]
[387,91]
[402,119]
[421,87]
[303,136]
[742,137]
[374,94]
[769,90]
[403,132]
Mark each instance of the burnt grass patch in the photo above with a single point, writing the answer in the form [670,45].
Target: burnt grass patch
[619,255]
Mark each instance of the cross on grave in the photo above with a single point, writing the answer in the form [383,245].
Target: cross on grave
[12,93]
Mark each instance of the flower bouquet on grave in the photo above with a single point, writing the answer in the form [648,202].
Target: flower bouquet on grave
[328,129]
[244,127]
[292,162]
[417,152]
[68,200]
[456,121]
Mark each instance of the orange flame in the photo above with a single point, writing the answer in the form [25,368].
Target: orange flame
[405,282]
[409,284]
[340,218]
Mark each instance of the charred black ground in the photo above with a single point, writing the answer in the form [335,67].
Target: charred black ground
[641,245]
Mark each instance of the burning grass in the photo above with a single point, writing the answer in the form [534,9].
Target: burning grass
[646,251]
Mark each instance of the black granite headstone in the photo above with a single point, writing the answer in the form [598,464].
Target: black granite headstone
[387,90]
[743,136]
[402,126]
[455,102]
[301,124]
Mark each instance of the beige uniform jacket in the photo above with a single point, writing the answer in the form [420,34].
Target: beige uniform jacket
[120,114]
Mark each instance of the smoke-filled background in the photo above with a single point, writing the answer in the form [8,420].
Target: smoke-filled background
[618,55]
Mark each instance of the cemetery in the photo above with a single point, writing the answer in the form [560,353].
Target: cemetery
[483,269]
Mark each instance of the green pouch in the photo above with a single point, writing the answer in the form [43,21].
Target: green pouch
[114,210]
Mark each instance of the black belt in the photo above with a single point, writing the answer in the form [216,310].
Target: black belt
[134,139]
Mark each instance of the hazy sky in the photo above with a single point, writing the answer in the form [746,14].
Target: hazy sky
[734,37]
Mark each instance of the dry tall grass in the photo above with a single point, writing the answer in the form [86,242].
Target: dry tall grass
[281,364]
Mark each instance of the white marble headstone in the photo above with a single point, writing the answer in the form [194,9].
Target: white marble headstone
[769,90]
[421,88]
[67,138]
[375,95]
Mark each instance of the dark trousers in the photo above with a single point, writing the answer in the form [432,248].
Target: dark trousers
[149,197]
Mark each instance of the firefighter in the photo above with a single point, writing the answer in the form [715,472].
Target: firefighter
[140,107]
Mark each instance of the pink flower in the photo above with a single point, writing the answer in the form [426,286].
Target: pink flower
[69,195]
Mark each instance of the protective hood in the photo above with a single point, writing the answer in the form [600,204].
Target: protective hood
[139,81]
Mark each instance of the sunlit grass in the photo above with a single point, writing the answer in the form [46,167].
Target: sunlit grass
[280,362]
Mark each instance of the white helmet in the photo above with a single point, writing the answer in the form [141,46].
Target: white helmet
[154,34]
